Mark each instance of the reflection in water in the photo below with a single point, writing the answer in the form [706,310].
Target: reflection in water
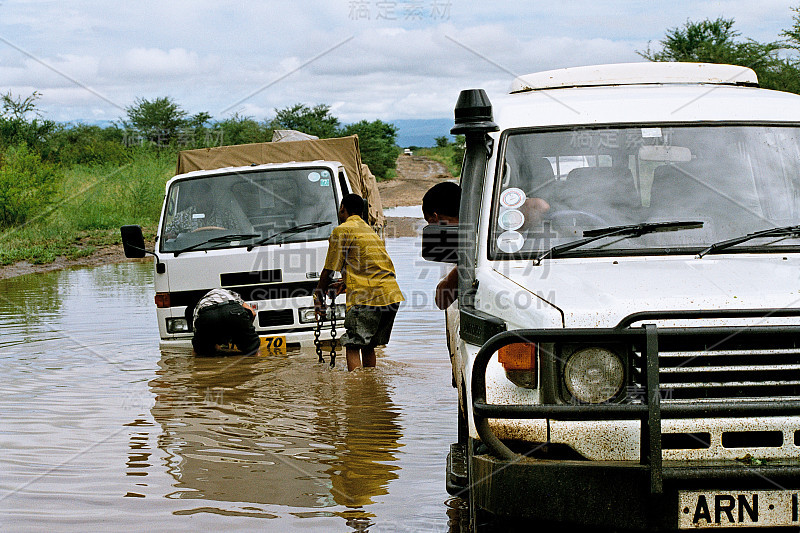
[139,454]
[275,430]
[364,425]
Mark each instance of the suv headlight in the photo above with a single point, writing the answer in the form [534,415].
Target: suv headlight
[594,375]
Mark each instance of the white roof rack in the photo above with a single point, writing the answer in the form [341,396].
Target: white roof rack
[636,74]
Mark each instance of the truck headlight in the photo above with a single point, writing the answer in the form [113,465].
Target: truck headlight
[594,375]
[307,314]
[177,325]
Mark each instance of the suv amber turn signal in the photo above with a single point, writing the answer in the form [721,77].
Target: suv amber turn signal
[519,362]
[518,356]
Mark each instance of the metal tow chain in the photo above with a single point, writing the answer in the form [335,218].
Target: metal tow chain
[333,330]
[318,331]
[317,344]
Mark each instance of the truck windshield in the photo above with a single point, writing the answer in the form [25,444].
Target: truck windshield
[201,213]
[554,185]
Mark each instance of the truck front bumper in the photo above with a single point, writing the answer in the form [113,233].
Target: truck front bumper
[294,339]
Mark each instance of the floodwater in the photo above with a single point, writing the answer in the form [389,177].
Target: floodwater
[102,430]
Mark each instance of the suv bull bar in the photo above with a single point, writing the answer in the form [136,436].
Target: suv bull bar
[647,338]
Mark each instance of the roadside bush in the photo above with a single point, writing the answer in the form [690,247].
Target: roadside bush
[84,144]
[27,185]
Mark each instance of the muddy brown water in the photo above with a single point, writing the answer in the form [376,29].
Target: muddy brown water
[103,430]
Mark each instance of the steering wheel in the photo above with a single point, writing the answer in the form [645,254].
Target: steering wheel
[571,217]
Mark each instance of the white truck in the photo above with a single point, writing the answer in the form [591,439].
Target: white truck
[626,342]
[254,219]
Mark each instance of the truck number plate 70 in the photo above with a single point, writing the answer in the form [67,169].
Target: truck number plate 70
[758,508]
[273,345]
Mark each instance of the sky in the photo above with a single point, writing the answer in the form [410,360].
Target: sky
[366,59]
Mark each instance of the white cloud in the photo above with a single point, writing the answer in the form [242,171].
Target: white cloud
[154,62]
[210,54]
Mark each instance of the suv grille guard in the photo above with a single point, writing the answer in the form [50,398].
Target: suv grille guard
[646,339]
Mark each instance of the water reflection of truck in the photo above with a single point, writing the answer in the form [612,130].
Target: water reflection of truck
[227,436]
[630,357]
[254,219]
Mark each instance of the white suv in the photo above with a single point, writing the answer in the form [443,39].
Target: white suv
[626,344]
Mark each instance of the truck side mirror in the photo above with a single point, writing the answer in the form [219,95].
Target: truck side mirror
[440,243]
[133,242]
[133,246]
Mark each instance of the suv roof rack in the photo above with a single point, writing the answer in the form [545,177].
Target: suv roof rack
[636,74]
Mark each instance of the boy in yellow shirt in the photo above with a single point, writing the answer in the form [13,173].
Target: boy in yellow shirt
[373,295]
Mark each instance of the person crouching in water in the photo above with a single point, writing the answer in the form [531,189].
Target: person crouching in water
[373,295]
[222,318]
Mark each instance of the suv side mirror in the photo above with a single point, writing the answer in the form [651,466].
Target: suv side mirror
[440,243]
[133,242]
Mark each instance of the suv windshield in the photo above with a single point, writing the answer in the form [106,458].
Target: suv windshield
[555,185]
[239,209]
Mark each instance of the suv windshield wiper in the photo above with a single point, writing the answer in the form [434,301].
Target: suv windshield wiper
[294,229]
[784,231]
[632,230]
[219,239]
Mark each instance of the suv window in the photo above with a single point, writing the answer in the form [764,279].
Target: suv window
[555,185]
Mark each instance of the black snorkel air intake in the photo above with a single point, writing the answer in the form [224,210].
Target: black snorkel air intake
[474,120]
[473,113]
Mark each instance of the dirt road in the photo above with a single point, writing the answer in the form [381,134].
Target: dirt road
[415,175]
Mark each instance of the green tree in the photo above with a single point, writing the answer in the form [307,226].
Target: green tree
[377,142]
[787,78]
[238,129]
[442,142]
[17,126]
[792,35]
[315,120]
[158,121]
[715,41]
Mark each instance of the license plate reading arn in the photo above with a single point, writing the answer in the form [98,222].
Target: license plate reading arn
[760,508]
[273,345]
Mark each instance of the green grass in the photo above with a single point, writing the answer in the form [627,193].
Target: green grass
[94,201]
[443,155]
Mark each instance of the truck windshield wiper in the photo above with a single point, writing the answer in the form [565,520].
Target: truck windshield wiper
[294,229]
[219,239]
[784,231]
[631,230]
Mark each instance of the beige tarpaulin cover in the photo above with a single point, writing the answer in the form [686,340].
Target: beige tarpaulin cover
[342,149]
